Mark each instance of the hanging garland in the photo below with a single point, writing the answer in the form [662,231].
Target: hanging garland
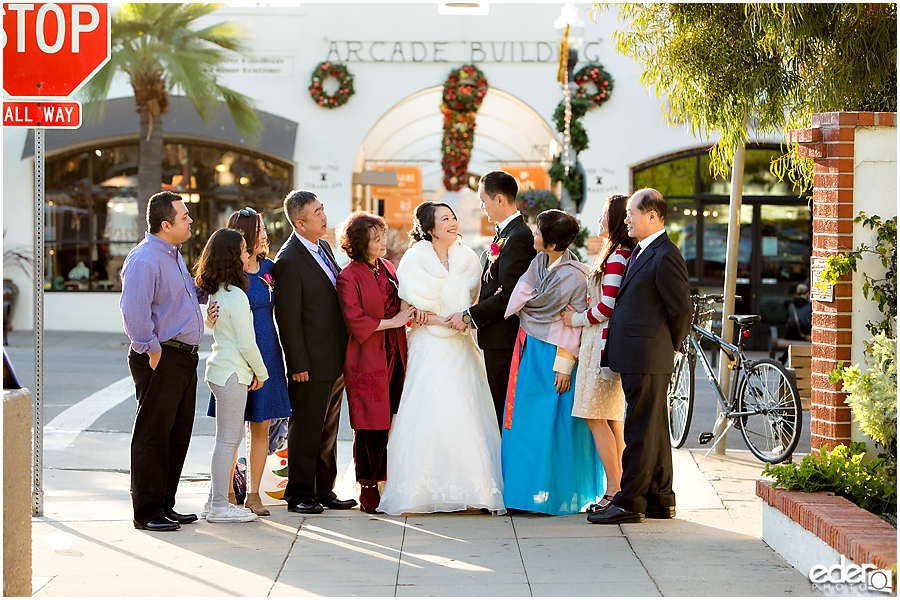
[584,101]
[323,71]
[596,74]
[464,92]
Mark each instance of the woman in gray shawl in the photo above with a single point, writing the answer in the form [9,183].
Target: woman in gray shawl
[549,459]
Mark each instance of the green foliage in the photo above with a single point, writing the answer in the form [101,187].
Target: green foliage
[573,182]
[882,290]
[722,66]
[580,242]
[870,485]
[873,395]
[161,51]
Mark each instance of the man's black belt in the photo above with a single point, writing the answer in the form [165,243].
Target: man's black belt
[181,346]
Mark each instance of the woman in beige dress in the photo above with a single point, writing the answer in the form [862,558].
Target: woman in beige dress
[599,398]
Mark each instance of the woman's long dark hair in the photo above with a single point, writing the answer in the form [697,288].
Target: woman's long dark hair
[618,235]
[425,221]
[220,262]
[249,226]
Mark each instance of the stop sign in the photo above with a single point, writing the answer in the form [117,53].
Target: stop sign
[50,50]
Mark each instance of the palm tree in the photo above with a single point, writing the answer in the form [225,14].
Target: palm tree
[156,46]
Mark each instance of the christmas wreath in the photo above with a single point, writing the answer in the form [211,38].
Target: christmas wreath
[594,73]
[323,71]
[464,92]
[465,88]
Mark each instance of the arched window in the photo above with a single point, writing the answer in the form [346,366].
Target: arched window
[92,218]
[776,228]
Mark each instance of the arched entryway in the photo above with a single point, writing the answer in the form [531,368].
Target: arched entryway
[407,139]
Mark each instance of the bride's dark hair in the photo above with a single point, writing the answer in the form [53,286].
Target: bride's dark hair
[425,221]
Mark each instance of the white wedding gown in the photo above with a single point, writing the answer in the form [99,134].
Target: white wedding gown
[443,453]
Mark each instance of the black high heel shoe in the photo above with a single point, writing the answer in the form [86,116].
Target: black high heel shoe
[595,508]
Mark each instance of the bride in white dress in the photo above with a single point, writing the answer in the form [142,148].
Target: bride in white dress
[443,453]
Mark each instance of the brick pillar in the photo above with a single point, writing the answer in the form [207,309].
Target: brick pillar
[830,143]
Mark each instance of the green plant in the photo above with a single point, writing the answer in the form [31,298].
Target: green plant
[580,242]
[870,485]
[716,65]
[573,181]
[873,395]
[16,257]
[161,49]
[883,290]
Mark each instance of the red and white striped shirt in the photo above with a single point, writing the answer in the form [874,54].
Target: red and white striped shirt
[601,311]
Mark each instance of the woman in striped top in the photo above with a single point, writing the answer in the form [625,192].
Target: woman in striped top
[599,398]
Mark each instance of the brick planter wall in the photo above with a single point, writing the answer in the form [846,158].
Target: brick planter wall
[859,535]
[830,143]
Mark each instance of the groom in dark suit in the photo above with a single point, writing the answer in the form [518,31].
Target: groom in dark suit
[314,338]
[652,317]
[515,243]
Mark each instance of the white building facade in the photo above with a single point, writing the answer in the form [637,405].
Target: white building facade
[400,56]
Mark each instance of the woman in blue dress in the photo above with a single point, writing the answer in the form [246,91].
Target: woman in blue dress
[270,401]
[549,458]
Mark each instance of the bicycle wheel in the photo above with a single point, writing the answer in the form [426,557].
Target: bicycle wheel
[768,392]
[680,399]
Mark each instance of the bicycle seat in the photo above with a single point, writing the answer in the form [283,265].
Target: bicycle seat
[744,320]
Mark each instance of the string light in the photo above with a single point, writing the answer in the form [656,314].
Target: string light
[568,160]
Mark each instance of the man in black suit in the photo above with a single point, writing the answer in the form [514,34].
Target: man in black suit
[515,240]
[314,338]
[652,317]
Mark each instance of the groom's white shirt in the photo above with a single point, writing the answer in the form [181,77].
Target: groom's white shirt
[509,220]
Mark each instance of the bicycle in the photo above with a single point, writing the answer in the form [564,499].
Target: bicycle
[763,402]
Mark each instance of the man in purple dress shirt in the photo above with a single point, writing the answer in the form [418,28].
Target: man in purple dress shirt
[165,324]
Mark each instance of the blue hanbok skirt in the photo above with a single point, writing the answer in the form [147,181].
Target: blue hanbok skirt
[550,462]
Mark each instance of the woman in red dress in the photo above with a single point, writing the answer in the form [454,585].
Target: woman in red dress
[376,351]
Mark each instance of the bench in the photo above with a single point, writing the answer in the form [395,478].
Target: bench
[800,364]
[776,343]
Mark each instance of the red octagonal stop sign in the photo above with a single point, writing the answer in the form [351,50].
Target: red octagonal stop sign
[50,50]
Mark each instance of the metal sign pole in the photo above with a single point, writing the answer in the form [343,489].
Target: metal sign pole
[38,407]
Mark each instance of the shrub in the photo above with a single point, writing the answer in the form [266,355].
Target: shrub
[873,395]
[871,486]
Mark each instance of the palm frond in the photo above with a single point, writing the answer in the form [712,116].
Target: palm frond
[243,112]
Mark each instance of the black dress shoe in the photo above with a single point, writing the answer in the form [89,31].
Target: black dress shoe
[339,504]
[159,524]
[180,518]
[306,508]
[660,512]
[613,515]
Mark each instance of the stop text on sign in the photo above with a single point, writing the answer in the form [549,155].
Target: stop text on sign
[44,28]
[51,49]
[42,113]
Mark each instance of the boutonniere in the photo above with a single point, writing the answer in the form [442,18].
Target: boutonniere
[270,283]
[493,253]
[494,250]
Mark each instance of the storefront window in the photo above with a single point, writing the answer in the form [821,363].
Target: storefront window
[92,217]
[672,178]
[774,246]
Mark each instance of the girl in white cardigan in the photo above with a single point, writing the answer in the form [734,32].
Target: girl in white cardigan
[235,364]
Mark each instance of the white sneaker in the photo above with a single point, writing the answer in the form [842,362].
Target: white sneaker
[230,514]
[205,510]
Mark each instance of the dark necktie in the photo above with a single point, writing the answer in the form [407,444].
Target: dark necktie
[496,233]
[328,262]
[632,258]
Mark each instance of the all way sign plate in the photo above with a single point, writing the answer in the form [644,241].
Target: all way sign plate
[42,113]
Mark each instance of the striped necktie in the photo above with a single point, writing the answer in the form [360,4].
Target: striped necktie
[328,262]
[632,258]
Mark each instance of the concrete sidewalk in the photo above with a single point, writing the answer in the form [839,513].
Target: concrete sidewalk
[85,545]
